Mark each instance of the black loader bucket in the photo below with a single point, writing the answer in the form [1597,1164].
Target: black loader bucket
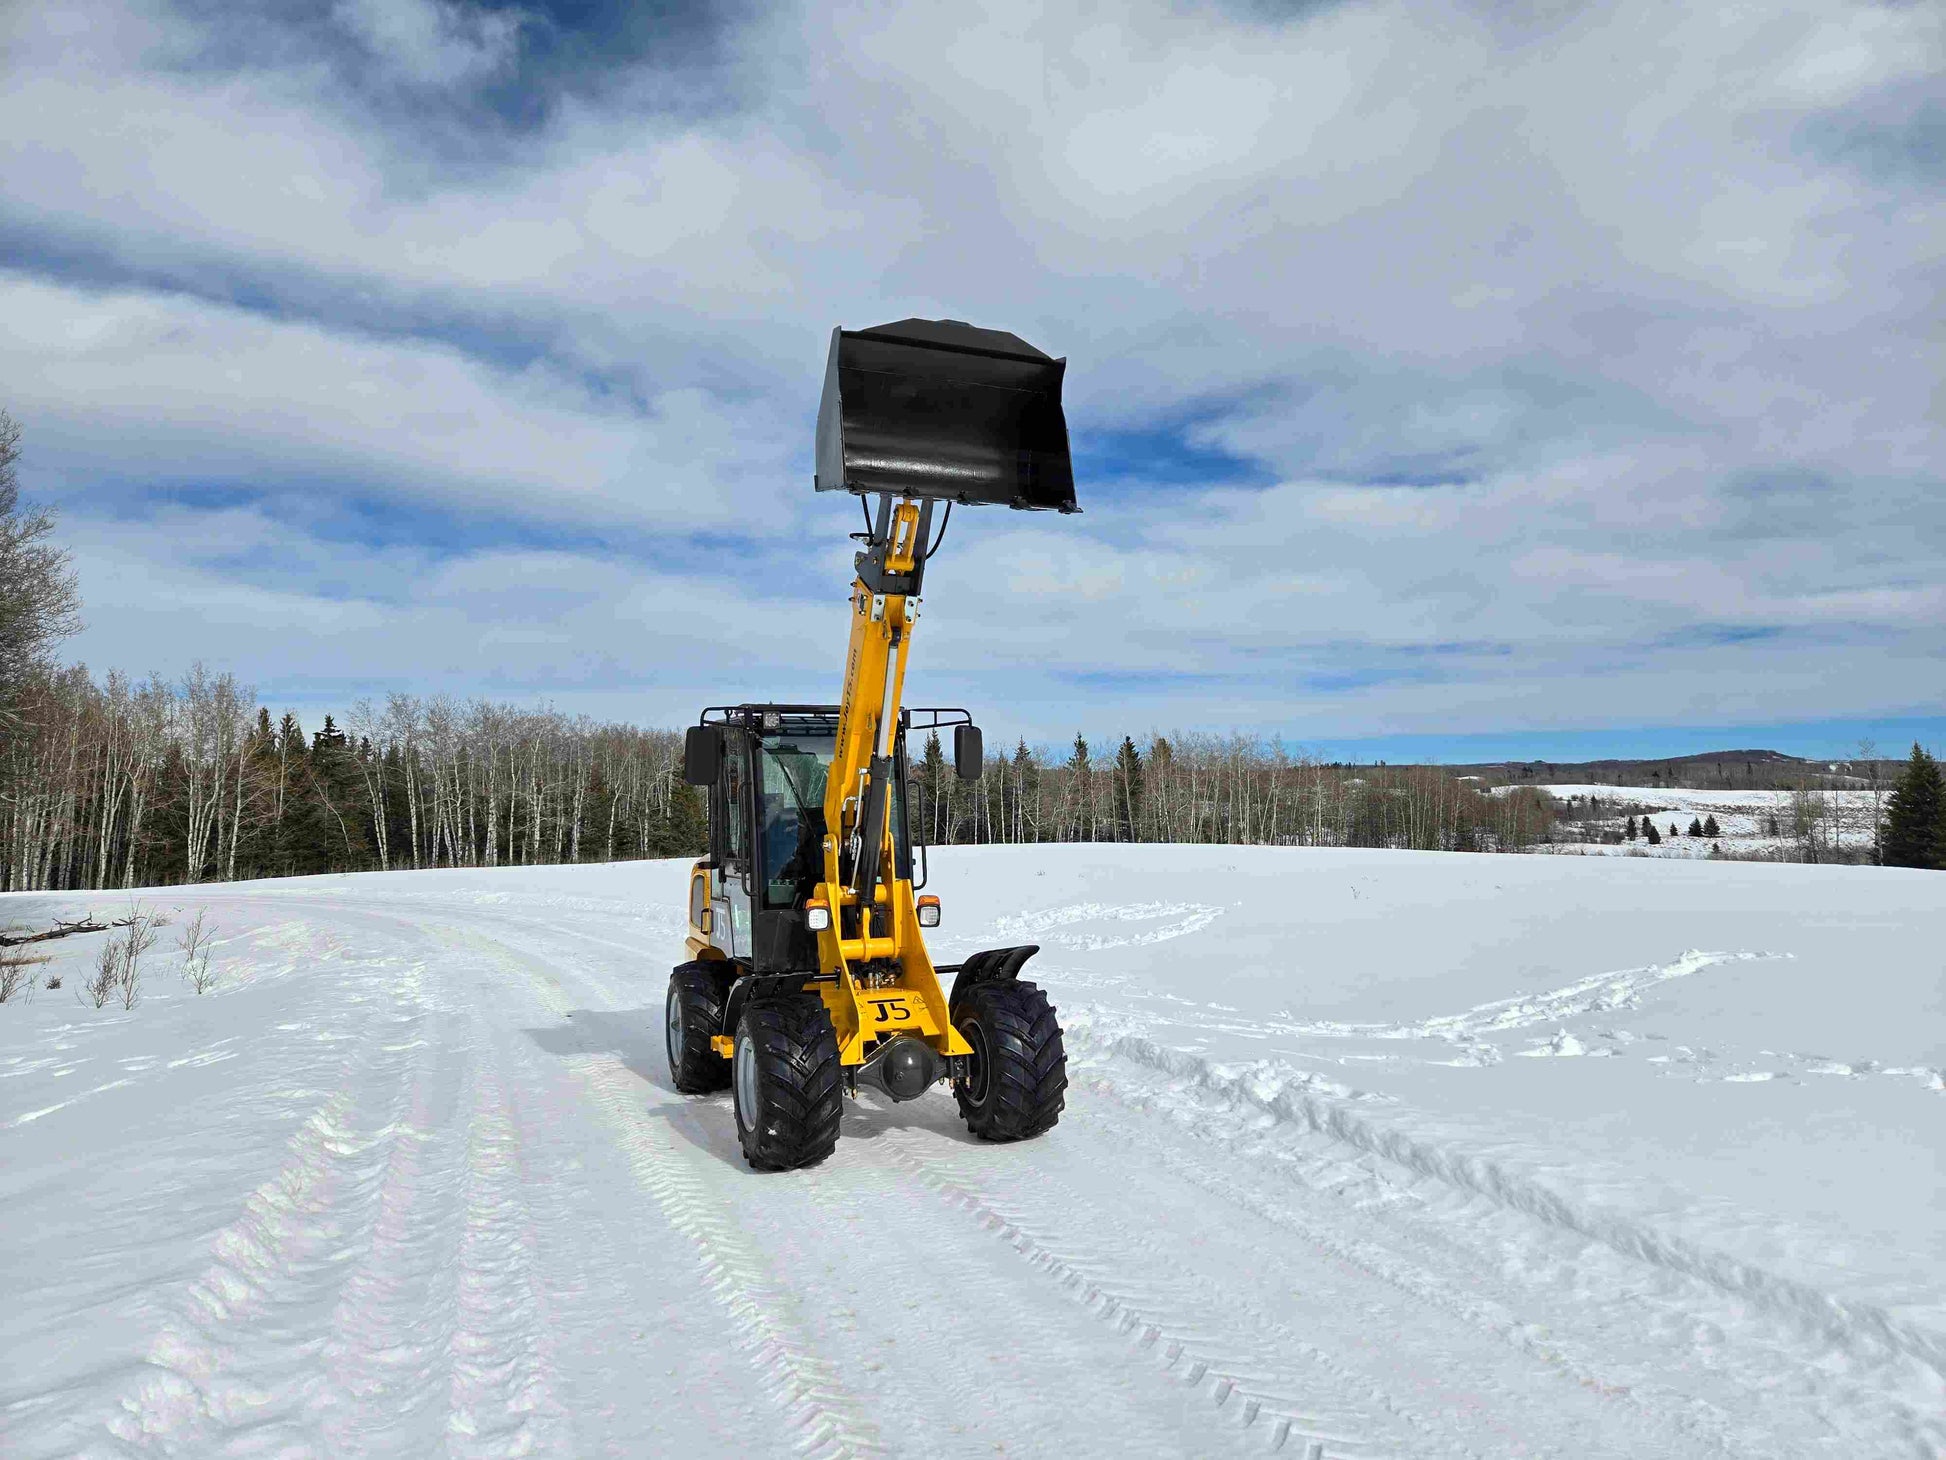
[936,409]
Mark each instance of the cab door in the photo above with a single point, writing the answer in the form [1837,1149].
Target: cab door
[730,814]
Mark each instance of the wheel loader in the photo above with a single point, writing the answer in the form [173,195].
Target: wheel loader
[808,976]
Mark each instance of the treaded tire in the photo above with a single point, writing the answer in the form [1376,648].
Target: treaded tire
[1019,1070]
[790,1093]
[692,1014]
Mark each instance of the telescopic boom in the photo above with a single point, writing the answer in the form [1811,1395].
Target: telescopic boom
[916,414]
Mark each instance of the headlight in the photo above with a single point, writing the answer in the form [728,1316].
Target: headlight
[929,911]
[817,916]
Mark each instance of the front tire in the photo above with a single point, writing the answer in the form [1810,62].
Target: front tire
[786,1083]
[1018,1072]
[692,1015]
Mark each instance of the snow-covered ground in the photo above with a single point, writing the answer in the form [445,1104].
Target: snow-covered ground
[1744,819]
[1366,1153]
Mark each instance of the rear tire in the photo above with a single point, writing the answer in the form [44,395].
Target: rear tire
[786,1083]
[692,1015]
[1018,1071]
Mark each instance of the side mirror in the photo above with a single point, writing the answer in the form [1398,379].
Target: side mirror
[702,755]
[969,752]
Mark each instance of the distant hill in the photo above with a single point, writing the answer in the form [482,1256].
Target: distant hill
[1753,770]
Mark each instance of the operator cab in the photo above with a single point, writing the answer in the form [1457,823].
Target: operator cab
[763,769]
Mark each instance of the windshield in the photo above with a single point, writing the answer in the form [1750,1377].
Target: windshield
[791,812]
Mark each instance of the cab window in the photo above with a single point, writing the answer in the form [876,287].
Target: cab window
[791,811]
[737,839]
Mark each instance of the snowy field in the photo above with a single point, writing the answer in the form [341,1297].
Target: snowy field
[1744,819]
[1365,1154]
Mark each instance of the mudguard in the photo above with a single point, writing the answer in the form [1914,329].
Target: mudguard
[995,965]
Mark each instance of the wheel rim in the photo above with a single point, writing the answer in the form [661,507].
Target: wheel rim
[746,1083]
[977,1077]
[674,1024]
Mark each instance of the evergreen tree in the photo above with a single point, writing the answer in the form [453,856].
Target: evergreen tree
[1629,831]
[684,831]
[1654,836]
[1695,826]
[1027,791]
[1672,829]
[1081,779]
[398,815]
[257,849]
[338,836]
[298,839]
[1128,790]
[932,779]
[1915,820]
[1711,829]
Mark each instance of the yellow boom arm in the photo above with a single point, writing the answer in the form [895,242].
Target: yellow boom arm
[885,981]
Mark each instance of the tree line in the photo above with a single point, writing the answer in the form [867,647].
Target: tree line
[1211,788]
[123,784]
[119,784]
[115,783]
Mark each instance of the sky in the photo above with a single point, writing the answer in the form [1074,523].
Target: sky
[1466,379]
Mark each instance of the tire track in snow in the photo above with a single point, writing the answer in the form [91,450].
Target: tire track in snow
[982,1326]
[375,1295]
[1860,1350]
[232,1359]
[1862,1330]
[1050,924]
[385,1353]
[1235,1371]
[1597,994]
[827,1422]
[1468,1301]
[502,1386]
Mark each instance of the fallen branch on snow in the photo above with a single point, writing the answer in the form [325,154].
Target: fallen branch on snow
[62,930]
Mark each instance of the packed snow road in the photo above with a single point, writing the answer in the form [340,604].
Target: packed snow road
[412,1180]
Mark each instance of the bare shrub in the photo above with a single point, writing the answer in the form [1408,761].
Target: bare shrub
[195,941]
[101,984]
[118,963]
[139,938]
[1813,824]
[14,975]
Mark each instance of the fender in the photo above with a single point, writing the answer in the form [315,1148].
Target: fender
[750,986]
[995,965]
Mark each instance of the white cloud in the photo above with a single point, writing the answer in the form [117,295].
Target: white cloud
[433,42]
[185,390]
[1579,277]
